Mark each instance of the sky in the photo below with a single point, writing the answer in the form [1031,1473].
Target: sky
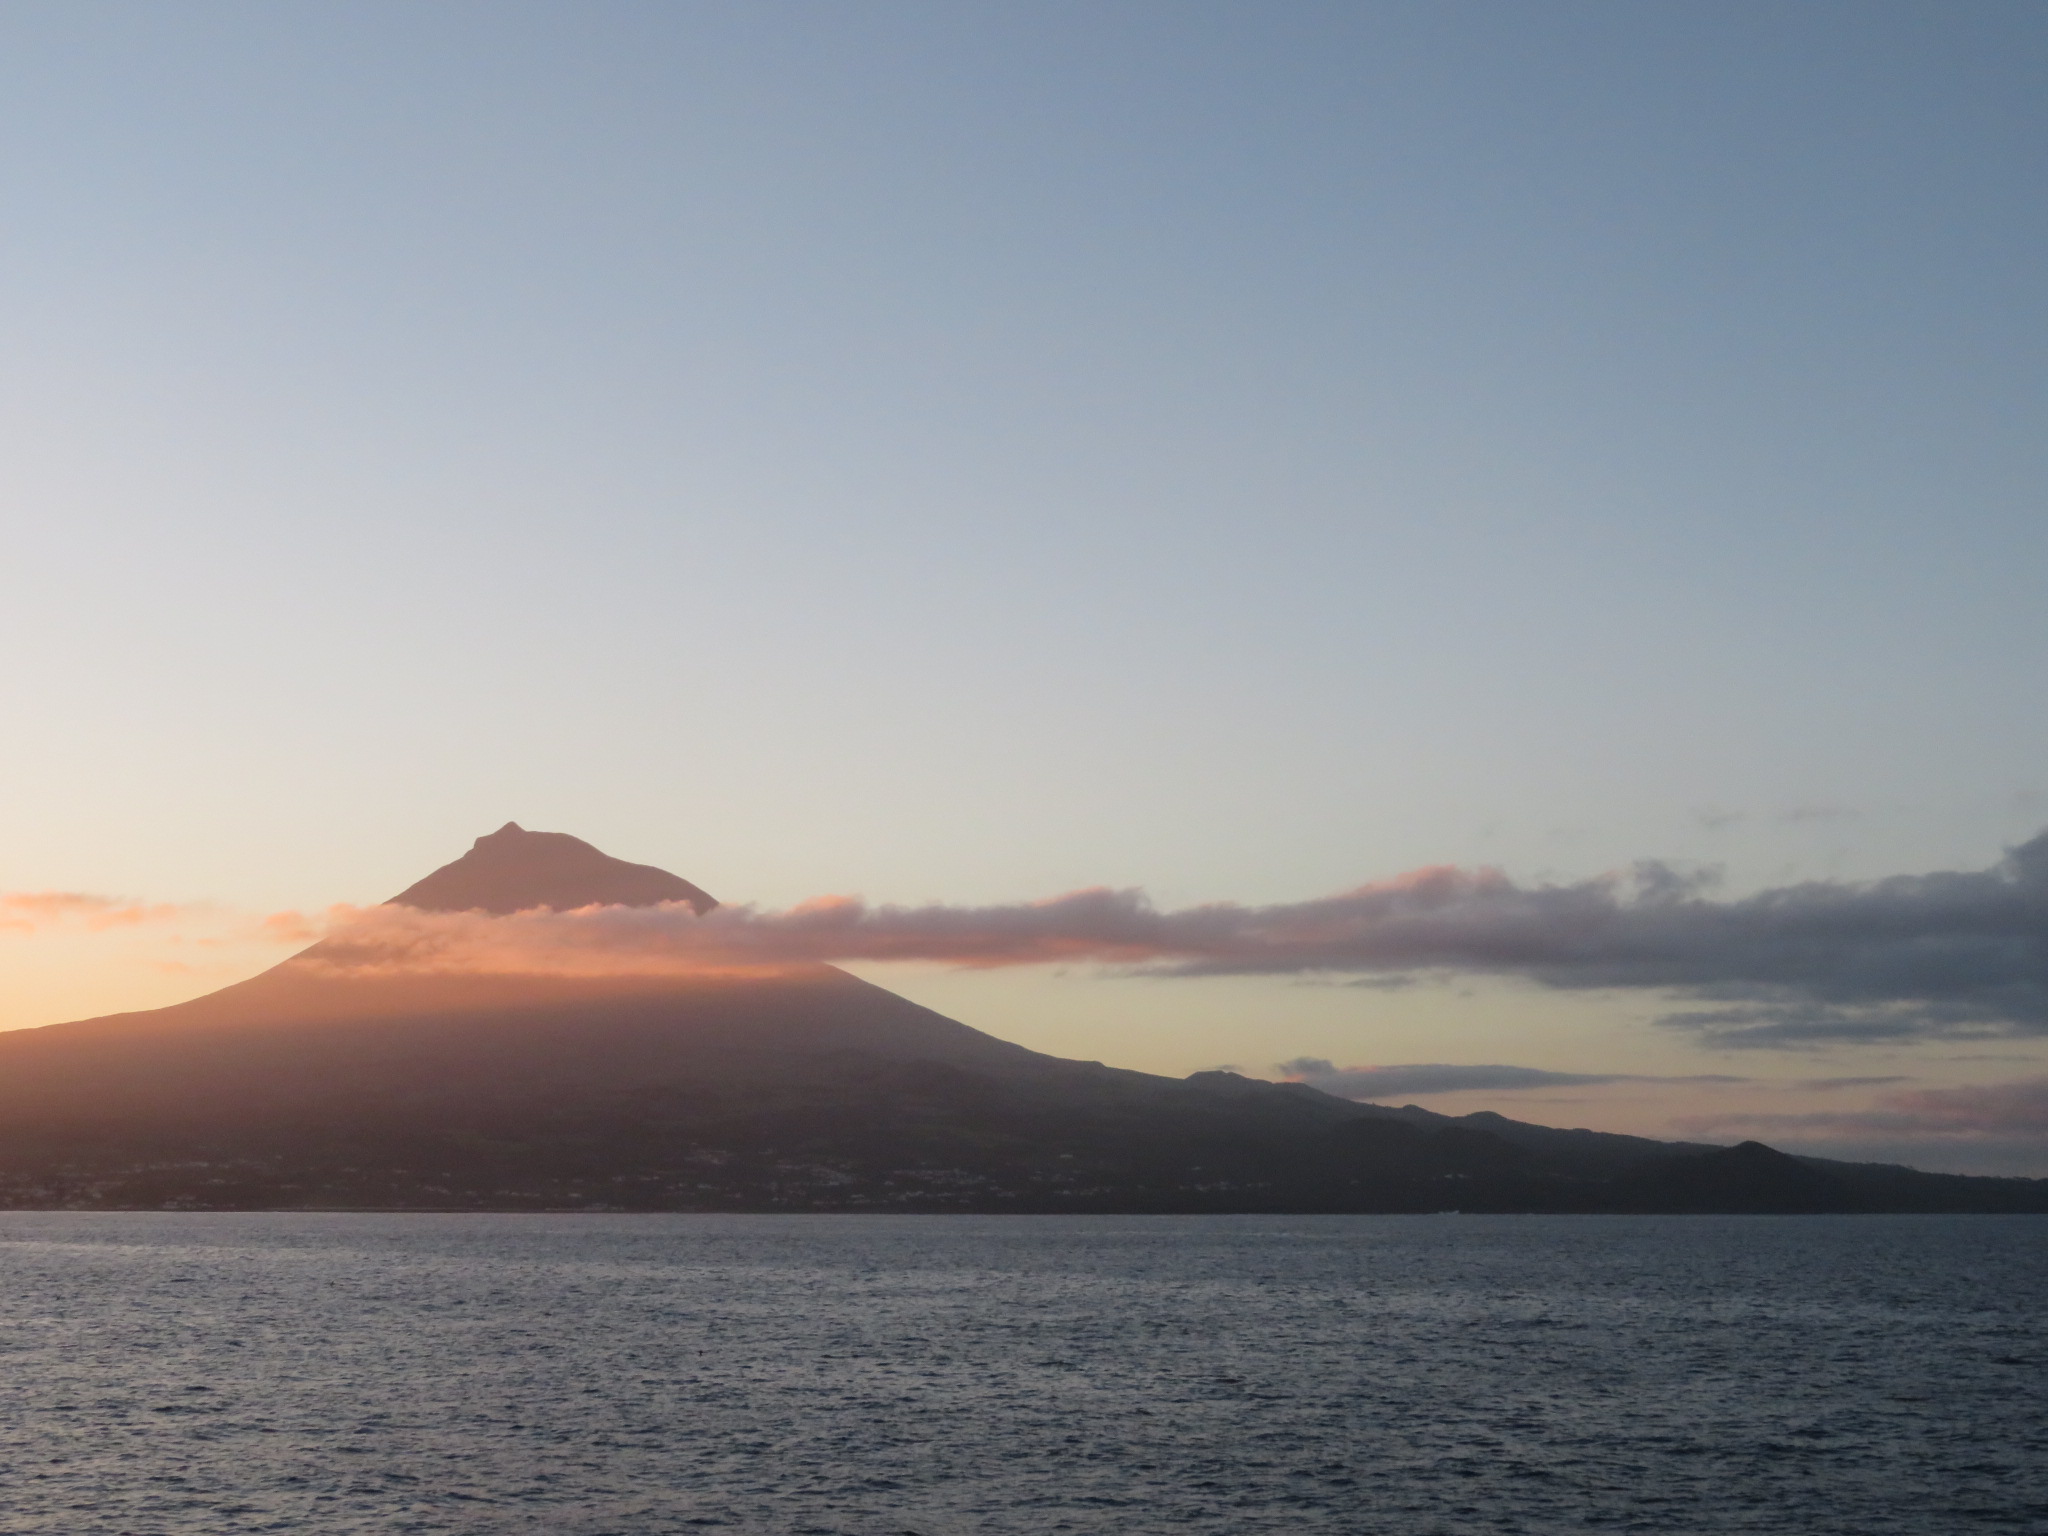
[963,454]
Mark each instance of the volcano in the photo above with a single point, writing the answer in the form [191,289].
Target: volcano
[305,1038]
[804,1089]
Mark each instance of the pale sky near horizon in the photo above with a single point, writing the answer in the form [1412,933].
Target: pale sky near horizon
[964,453]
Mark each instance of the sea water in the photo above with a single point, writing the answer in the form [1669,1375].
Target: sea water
[199,1374]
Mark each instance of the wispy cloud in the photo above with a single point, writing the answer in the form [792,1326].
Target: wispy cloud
[1960,954]
[1423,1079]
[1817,811]
[31,911]
[1999,1111]
[1832,1084]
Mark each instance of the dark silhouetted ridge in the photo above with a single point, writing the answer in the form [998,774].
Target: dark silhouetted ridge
[1746,1177]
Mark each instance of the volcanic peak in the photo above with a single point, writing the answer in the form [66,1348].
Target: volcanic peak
[512,869]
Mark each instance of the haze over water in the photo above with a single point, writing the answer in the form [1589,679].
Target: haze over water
[321,1374]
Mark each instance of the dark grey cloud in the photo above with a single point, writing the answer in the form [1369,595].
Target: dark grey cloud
[1379,1083]
[1954,954]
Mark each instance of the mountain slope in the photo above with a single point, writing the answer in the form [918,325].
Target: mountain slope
[805,1089]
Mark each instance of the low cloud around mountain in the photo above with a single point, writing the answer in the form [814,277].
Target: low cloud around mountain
[1959,954]
[1952,954]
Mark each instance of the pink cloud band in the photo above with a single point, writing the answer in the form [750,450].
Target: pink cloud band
[30,911]
[1954,953]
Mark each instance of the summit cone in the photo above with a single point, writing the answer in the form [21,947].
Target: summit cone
[512,869]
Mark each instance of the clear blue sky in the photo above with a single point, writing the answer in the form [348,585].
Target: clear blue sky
[958,451]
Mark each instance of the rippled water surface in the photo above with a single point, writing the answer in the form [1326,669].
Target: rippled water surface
[203,1374]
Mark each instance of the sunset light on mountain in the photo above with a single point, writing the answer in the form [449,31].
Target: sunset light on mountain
[974,769]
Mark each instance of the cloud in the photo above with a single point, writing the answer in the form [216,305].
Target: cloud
[1813,811]
[1830,1084]
[1096,925]
[2016,1111]
[1999,1109]
[29,911]
[1957,954]
[1380,1083]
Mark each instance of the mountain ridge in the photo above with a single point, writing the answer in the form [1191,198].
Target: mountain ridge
[805,1089]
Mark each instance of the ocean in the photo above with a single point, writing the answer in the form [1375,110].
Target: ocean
[203,1374]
